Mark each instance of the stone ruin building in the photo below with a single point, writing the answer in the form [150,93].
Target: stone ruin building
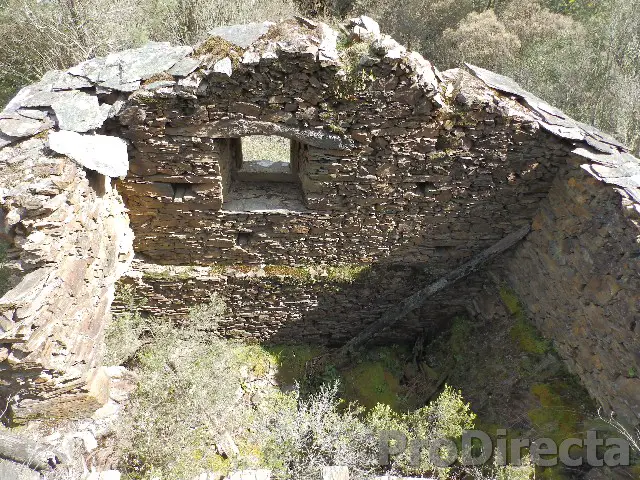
[129,169]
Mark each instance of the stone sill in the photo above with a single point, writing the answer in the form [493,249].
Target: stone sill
[264,197]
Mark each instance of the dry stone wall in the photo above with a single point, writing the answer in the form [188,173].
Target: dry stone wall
[69,242]
[411,177]
[278,304]
[577,274]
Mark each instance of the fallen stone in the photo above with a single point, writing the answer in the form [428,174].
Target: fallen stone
[21,126]
[335,473]
[223,66]
[365,28]
[18,101]
[184,67]
[145,62]
[103,154]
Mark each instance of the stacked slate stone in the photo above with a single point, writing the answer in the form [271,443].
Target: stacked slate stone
[391,167]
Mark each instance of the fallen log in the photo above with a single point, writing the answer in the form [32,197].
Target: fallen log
[349,350]
[37,456]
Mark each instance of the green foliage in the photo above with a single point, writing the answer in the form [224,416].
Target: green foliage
[291,361]
[356,78]
[204,318]
[196,394]
[301,435]
[123,334]
[184,403]
[448,416]
[186,400]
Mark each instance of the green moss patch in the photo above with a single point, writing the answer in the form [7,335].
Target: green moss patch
[292,360]
[523,332]
[299,273]
[371,383]
[347,273]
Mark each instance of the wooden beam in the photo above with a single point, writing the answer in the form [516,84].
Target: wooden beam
[348,351]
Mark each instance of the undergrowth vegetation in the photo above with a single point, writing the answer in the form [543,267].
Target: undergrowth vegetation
[205,404]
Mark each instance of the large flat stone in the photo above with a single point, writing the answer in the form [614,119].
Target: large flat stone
[100,153]
[241,35]
[79,112]
[124,70]
[184,67]
[6,140]
[61,80]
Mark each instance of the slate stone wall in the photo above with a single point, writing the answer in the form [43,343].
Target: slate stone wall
[69,242]
[577,275]
[399,184]
[276,304]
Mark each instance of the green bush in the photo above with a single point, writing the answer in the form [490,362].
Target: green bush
[446,417]
[208,404]
[301,435]
[123,337]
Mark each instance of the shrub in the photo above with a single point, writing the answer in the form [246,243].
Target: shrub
[447,417]
[206,316]
[123,337]
[185,402]
[303,435]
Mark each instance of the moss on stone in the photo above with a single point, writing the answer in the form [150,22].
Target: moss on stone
[215,47]
[300,273]
[169,275]
[158,77]
[371,383]
[217,269]
[347,273]
[460,336]
[336,129]
[559,417]
[523,332]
